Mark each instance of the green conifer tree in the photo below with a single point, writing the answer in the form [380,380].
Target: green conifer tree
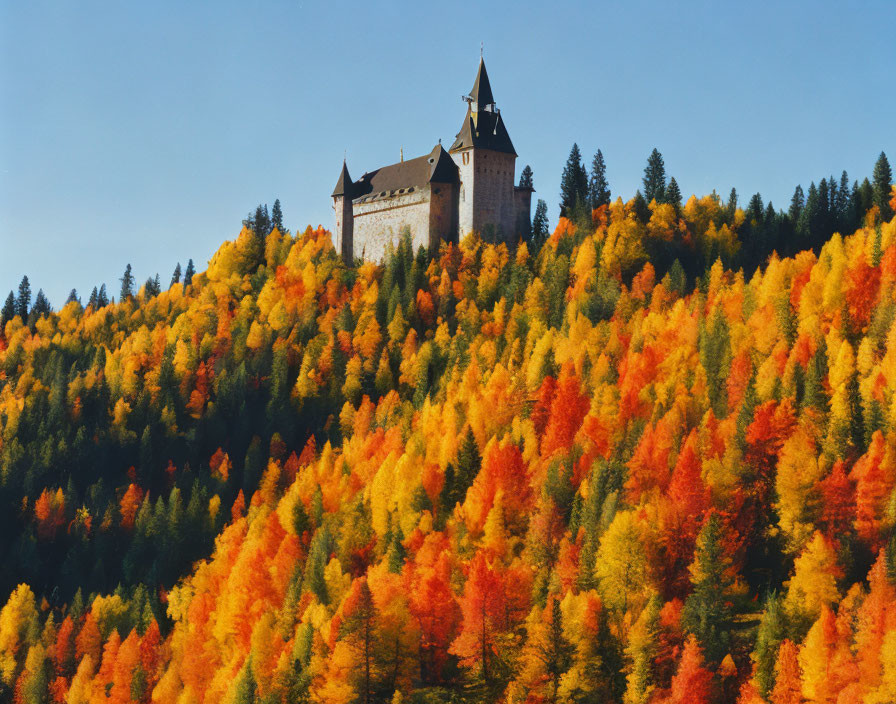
[883,178]
[673,194]
[768,639]
[540,227]
[127,285]
[23,300]
[188,274]
[654,177]
[707,611]
[732,204]
[574,183]
[9,310]
[277,216]
[598,186]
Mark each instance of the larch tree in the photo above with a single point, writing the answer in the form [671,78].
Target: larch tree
[692,682]
[788,688]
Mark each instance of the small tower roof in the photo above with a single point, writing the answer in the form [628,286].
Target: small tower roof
[344,184]
[482,89]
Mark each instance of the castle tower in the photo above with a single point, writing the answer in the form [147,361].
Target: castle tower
[486,159]
[342,204]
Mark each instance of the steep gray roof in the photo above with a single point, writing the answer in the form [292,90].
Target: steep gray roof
[435,167]
[482,89]
[485,130]
[344,184]
[485,127]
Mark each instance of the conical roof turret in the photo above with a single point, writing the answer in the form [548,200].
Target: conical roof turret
[344,184]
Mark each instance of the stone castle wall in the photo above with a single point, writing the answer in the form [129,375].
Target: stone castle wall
[487,193]
[442,215]
[379,222]
[522,200]
[344,227]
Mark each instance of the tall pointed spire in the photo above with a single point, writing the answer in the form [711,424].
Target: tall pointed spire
[483,125]
[344,184]
[482,89]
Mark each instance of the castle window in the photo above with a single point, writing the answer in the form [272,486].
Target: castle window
[466,158]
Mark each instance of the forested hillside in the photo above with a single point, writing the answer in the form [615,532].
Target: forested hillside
[606,467]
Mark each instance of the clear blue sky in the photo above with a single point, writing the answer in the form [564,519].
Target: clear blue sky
[144,132]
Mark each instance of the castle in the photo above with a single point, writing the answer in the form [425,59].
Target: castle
[440,196]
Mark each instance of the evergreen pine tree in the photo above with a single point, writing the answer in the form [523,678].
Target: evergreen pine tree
[673,194]
[809,217]
[175,277]
[188,274]
[707,611]
[540,227]
[262,222]
[756,209]
[526,178]
[277,216]
[883,178]
[153,287]
[574,183]
[556,653]
[72,297]
[102,299]
[842,205]
[833,197]
[654,177]
[797,203]
[866,198]
[599,187]
[468,463]
[41,305]
[23,300]
[9,310]
[768,639]
[641,207]
[822,228]
[732,204]
[127,285]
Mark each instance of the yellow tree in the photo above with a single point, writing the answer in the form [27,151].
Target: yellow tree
[814,582]
[621,566]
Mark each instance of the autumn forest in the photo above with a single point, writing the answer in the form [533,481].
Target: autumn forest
[648,457]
